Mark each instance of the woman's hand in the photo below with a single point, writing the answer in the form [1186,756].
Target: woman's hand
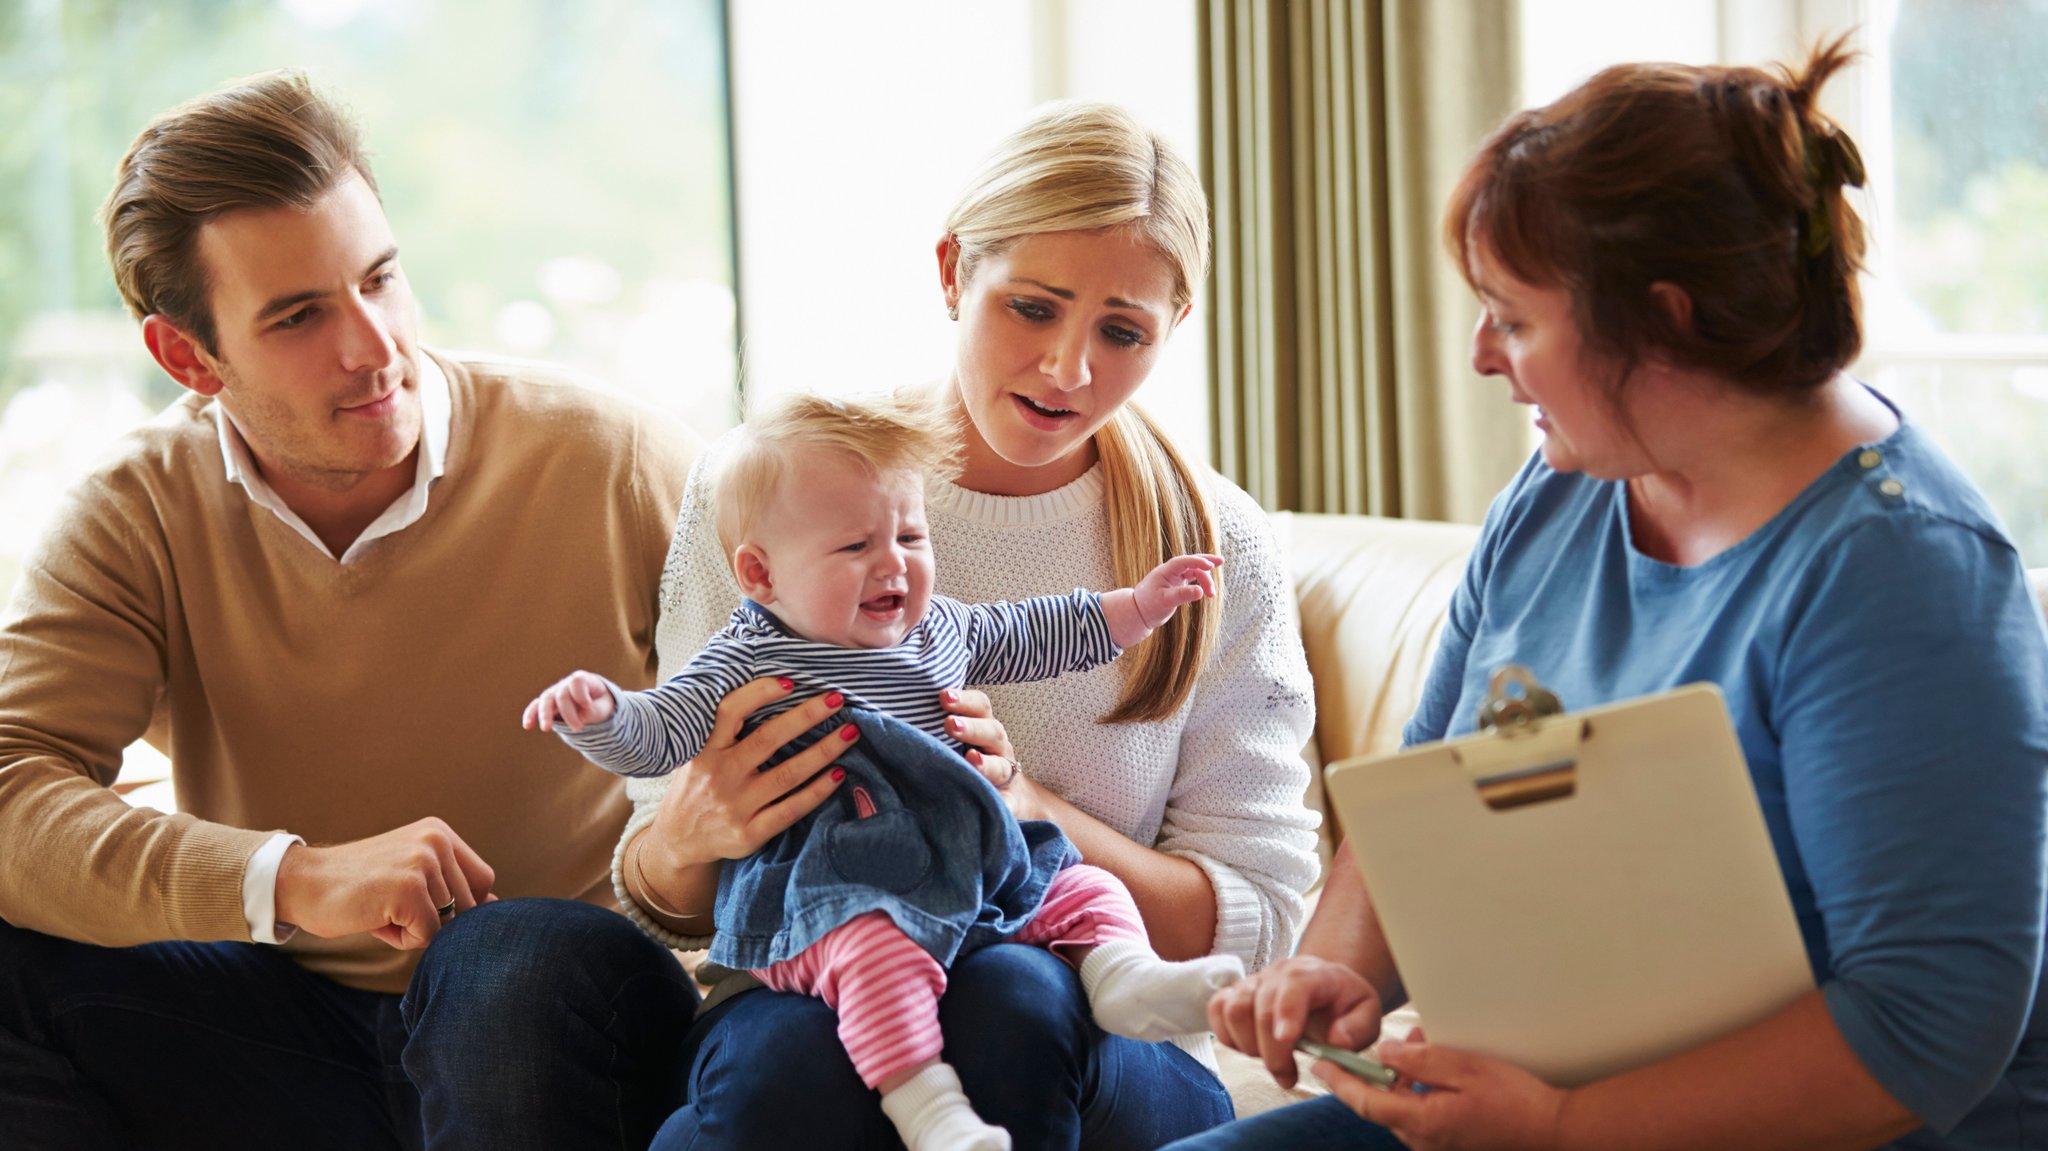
[1266,1013]
[1472,1103]
[720,805]
[971,720]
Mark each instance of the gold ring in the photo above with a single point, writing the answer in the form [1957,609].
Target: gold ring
[1010,778]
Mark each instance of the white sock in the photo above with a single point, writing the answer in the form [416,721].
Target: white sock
[1138,995]
[931,1113]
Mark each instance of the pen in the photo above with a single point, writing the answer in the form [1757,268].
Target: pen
[1364,1066]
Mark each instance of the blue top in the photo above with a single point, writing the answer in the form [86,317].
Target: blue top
[1887,670]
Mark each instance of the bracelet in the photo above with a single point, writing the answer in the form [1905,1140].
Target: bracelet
[647,893]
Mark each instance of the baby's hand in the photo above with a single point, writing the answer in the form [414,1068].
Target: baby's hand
[1180,580]
[578,699]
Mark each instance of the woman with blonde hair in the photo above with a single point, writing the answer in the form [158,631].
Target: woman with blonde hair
[1067,264]
[1668,264]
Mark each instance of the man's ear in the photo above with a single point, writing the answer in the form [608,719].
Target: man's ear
[180,355]
[750,568]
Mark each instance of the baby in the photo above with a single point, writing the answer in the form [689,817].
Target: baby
[915,857]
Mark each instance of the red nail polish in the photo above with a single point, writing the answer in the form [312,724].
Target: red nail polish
[787,683]
[973,757]
[848,732]
[838,773]
[834,700]
[950,696]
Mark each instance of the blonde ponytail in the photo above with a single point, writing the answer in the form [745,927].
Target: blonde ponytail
[1157,509]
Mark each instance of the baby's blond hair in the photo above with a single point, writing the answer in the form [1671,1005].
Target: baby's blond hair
[884,433]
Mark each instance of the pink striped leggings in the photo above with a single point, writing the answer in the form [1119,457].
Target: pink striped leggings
[886,989]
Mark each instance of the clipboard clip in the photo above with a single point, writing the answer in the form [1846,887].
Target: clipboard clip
[1512,711]
[1532,757]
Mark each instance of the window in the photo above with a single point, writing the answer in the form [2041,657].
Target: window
[856,135]
[1951,115]
[557,177]
[1948,111]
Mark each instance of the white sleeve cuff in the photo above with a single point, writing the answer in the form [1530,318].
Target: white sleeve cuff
[259,890]
[1240,915]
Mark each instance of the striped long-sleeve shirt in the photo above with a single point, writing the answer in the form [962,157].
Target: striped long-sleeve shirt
[956,644]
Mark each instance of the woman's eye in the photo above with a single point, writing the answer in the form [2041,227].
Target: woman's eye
[1123,337]
[382,279]
[1031,310]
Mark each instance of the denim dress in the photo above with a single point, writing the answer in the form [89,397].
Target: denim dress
[914,831]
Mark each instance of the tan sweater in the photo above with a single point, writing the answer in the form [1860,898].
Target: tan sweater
[294,693]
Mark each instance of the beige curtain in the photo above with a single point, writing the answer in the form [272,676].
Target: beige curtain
[1333,131]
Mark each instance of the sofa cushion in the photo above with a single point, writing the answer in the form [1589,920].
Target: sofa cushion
[1372,595]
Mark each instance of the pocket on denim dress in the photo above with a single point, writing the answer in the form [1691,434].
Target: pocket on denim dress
[886,851]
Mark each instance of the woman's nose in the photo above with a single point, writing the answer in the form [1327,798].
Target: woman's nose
[1486,357]
[1066,359]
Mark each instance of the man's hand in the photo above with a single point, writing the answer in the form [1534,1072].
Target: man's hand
[579,699]
[393,886]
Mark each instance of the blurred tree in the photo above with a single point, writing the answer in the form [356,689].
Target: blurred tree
[1970,129]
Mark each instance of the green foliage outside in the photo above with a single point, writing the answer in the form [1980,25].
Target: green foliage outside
[1970,124]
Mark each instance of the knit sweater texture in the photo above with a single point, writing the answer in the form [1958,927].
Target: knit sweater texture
[1220,782]
[333,701]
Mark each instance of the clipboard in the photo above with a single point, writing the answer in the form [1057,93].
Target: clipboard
[1577,893]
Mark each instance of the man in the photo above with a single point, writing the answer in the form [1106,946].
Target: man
[324,582]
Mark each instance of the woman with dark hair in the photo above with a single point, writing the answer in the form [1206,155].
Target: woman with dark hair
[1667,265]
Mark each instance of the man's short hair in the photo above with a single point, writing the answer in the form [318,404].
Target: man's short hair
[885,434]
[265,142]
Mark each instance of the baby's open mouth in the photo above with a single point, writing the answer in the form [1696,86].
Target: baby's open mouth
[883,604]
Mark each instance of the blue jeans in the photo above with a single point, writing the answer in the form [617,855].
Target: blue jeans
[1322,1124]
[529,1023]
[766,1069]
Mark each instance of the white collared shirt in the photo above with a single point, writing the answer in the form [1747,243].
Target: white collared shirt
[403,512]
[259,878]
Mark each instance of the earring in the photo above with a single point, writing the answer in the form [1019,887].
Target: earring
[953,311]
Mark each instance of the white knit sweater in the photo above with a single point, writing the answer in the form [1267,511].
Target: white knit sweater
[1221,782]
